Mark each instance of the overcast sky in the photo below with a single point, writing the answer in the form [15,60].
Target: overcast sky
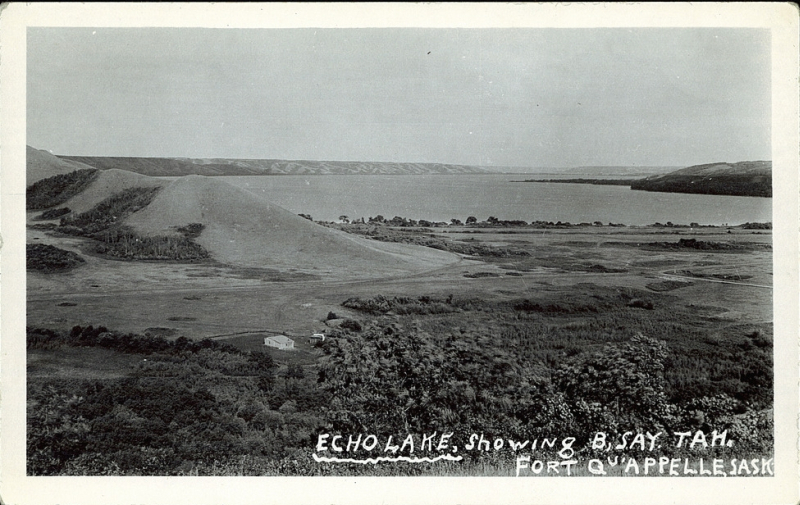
[501,97]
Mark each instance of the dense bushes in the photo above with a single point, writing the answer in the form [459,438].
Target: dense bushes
[108,212]
[123,242]
[188,403]
[691,243]
[401,305]
[393,378]
[48,258]
[57,189]
[53,214]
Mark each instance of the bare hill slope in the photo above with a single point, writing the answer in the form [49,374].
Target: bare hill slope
[243,229]
[746,178]
[41,165]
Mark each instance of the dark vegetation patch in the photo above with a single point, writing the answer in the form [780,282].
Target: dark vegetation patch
[52,214]
[701,245]
[599,301]
[724,277]
[404,305]
[52,227]
[58,189]
[351,324]
[479,275]
[191,231]
[49,259]
[67,304]
[641,304]
[181,318]
[659,263]
[668,285]
[159,331]
[757,226]
[596,301]
[122,242]
[604,269]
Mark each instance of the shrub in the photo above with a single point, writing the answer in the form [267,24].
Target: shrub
[123,242]
[48,258]
[58,189]
[351,324]
[53,214]
[108,212]
[192,230]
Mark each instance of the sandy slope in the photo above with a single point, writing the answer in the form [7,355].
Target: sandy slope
[244,229]
[41,165]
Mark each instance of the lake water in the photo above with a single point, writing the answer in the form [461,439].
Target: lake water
[442,197]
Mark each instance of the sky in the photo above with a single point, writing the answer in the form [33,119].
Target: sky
[491,97]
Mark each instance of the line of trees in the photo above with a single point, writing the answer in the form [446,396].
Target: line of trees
[58,189]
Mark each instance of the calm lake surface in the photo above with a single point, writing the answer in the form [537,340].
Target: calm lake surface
[442,197]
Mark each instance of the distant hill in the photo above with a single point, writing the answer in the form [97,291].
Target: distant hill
[227,166]
[746,178]
[41,165]
[626,171]
[619,170]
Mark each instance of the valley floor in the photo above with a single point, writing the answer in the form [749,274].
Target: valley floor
[707,292]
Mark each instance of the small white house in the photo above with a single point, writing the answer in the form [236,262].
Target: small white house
[281,342]
[316,337]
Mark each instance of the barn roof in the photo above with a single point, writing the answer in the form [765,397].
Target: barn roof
[281,339]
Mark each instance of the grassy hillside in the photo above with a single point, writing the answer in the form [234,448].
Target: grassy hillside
[746,178]
[228,166]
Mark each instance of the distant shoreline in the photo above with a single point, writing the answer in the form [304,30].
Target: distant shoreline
[601,182]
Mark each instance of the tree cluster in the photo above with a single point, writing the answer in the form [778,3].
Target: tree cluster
[58,189]
[47,258]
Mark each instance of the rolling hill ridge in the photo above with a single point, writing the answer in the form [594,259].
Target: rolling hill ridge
[228,166]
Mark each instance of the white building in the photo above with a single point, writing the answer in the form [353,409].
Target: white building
[281,342]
